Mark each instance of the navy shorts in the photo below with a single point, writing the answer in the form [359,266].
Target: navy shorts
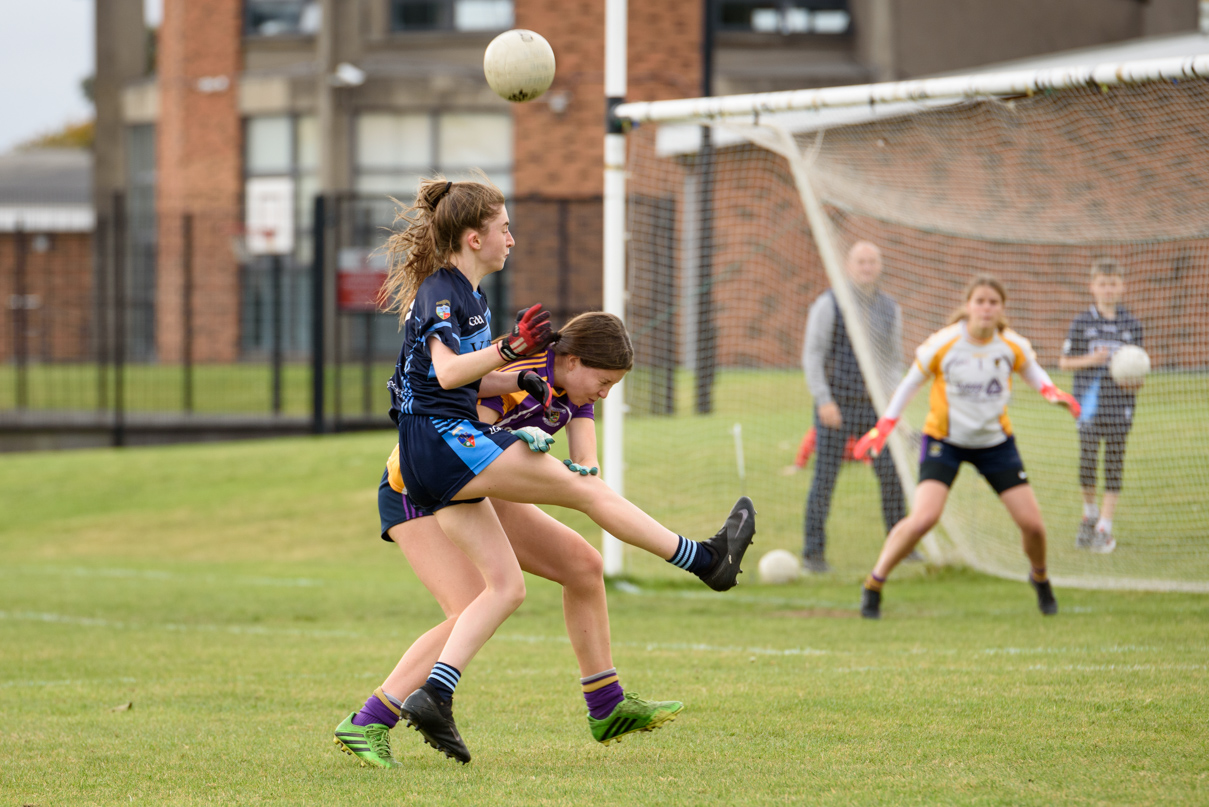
[439,456]
[1000,465]
[394,508]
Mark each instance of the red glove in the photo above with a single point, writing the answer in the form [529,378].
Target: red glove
[1057,396]
[535,385]
[806,448]
[531,334]
[875,439]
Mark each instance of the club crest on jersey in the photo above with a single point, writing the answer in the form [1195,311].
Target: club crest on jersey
[935,449]
[466,440]
[443,309]
[551,417]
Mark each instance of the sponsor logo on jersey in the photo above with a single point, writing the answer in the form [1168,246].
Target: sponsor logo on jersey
[443,309]
[466,440]
[994,388]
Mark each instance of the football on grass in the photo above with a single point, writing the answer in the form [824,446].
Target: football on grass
[779,566]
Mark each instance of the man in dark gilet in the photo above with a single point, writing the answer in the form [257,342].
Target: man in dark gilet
[843,408]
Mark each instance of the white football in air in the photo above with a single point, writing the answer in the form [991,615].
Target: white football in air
[779,566]
[1129,365]
[519,65]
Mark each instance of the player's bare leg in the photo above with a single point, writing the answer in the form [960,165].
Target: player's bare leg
[521,475]
[548,548]
[449,575]
[451,578]
[1021,503]
[476,530]
[930,498]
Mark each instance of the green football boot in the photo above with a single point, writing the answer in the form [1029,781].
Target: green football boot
[631,715]
[370,744]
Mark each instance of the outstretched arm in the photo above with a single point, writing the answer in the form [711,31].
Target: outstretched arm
[1035,376]
[875,439]
[581,442]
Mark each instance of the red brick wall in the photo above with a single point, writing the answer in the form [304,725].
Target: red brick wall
[200,170]
[561,156]
[58,284]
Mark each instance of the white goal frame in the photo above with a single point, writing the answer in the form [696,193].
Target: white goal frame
[764,119]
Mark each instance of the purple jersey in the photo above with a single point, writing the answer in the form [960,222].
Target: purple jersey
[520,409]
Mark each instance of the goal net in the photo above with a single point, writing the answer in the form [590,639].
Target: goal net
[742,211]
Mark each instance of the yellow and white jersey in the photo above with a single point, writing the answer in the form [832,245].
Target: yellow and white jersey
[971,384]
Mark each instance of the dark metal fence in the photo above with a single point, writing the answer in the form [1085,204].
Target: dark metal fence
[161,327]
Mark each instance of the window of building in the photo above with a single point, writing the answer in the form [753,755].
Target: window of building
[393,150]
[285,146]
[826,17]
[281,17]
[451,15]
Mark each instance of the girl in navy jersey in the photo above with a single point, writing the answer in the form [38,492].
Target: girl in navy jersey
[450,460]
[1108,406]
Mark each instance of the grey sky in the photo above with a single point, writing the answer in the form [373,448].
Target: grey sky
[46,48]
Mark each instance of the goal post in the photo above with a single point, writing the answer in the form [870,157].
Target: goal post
[1030,176]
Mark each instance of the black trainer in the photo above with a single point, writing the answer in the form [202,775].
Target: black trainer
[433,718]
[871,603]
[729,544]
[1045,597]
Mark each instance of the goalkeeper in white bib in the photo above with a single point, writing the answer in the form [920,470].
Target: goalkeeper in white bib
[970,364]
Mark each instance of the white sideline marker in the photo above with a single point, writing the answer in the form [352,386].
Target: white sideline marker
[737,431]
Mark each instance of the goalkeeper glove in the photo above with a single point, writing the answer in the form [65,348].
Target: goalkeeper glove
[531,334]
[535,438]
[875,439]
[579,469]
[532,383]
[1057,396]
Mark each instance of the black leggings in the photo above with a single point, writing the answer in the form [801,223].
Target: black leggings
[1114,434]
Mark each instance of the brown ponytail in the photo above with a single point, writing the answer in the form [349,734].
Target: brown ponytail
[432,227]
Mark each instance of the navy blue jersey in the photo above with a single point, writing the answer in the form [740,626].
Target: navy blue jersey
[446,307]
[1093,386]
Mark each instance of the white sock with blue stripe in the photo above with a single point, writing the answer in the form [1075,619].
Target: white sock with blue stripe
[692,556]
[444,679]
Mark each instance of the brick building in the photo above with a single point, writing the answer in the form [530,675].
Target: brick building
[46,286]
[360,97]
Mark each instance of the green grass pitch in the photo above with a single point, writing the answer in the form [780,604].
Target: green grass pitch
[238,596]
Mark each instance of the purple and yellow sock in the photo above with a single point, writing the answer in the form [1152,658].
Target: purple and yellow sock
[1038,575]
[380,708]
[603,692]
[874,583]
[444,679]
[692,556]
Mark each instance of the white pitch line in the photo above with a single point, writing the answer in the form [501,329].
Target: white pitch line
[161,576]
[250,630]
[696,647]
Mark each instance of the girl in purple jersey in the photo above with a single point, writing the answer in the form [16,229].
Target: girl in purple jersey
[451,462]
